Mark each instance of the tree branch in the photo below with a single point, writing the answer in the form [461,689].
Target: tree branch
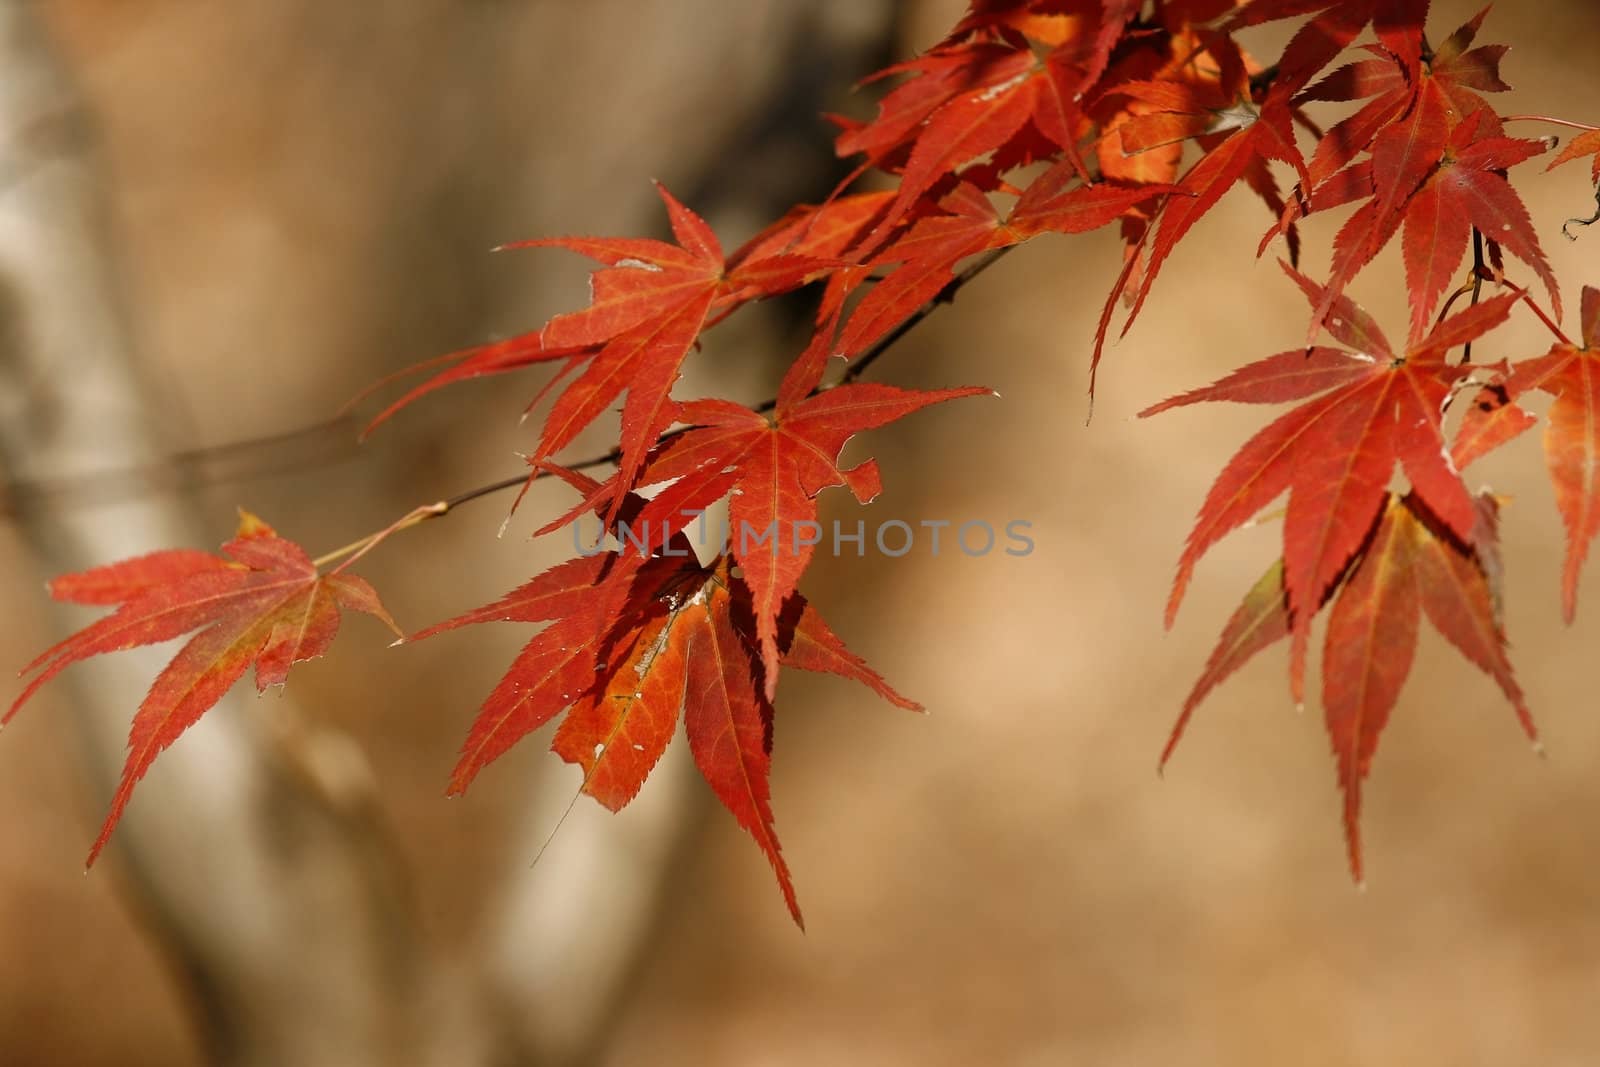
[422,513]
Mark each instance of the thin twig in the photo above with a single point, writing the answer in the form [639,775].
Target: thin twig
[1552,121]
[325,443]
[946,295]
[1477,283]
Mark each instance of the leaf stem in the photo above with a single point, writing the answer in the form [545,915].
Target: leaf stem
[1477,283]
[1444,311]
[1555,330]
[1552,121]
[356,549]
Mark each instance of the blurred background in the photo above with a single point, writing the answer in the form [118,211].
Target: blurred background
[219,222]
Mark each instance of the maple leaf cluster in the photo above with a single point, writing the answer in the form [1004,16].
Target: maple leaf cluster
[1424,156]
[1030,117]
[634,641]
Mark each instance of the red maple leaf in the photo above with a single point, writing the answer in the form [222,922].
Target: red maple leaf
[1585,144]
[1404,154]
[1260,620]
[1316,43]
[934,79]
[1490,422]
[774,468]
[1410,564]
[983,119]
[648,307]
[1465,71]
[480,361]
[1438,157]
[1468,189]
[635,641]
[806,233]
[1393,81]
[929,251]
[1373,409]
[824,231]
[265,603]
[1240,136]
[1570,373]
[1009,83]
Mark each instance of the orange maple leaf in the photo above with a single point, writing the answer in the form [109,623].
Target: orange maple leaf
[262,601]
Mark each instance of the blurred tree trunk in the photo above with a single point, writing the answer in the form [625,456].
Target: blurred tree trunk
[252,849]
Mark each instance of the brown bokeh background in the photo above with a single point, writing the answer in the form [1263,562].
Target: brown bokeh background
[305,194]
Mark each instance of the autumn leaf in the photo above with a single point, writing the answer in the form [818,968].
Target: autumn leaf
[647,281]
[583,596]
[1246,135]
[1468,189]
[1371,641]
[1492,420]
[1409,565]
[1412,566]
[636,639]
[1571,438]
[927,254]
[1404,153]
[1392,82]
[1261,620]
[1009,84]
[481,361]
[649,304]
[262,602]
[729,724]
[774,470]
[1437,163]
[1391,94]
[1367,410]
[819,231]
[1334,25]
[980,120]
[1585,144]
[932,81]
[1461,68]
